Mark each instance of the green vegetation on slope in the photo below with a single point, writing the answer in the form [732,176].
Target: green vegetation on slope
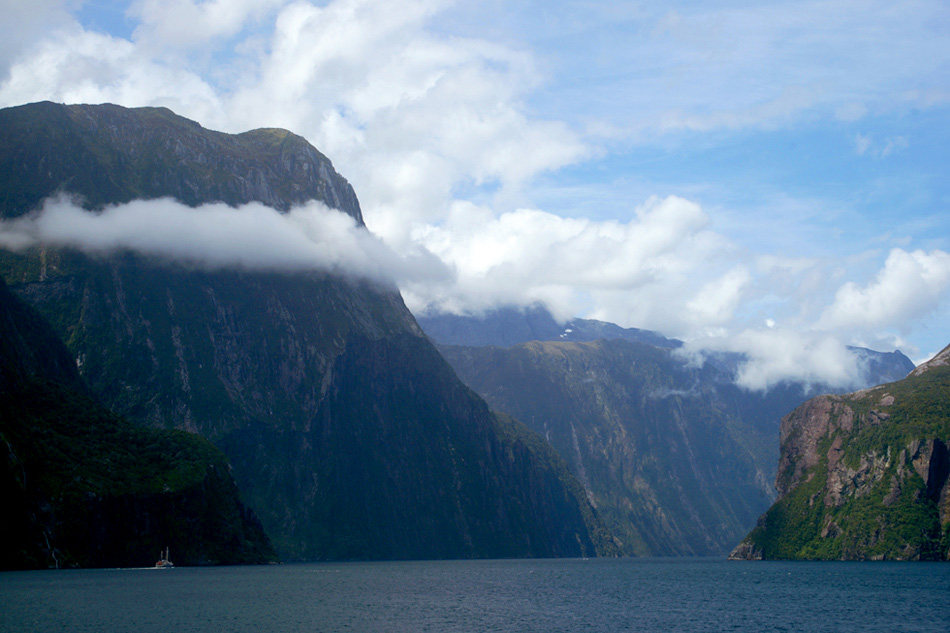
[879,487]
[82,487]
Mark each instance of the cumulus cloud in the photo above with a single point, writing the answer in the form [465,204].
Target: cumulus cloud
[667,270]
[25,22]
[909,286]
[252,236]
[79,66]
[410,114]
[717,300]
[528,255]
[407,113]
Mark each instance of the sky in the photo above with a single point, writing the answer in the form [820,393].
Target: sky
[763,177]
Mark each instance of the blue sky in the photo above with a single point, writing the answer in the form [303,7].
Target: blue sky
[766,177]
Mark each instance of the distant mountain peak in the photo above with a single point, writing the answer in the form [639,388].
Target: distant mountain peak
[505,326]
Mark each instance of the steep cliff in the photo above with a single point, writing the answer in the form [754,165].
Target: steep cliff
[347,433]
[82,487]
[677,458]
[664,451]
[864,476]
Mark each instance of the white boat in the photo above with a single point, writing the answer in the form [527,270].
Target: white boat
[164,563]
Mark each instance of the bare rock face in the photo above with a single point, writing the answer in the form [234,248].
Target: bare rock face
[844,482]
[942,359]
[801,432]
[931,461]
[746,550]
[864,476]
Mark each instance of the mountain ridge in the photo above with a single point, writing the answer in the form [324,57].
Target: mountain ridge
[115,155]
[677,458]
[273,366]
[507,326]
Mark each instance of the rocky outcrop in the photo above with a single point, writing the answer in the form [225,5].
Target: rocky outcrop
[800,434]
[864,476]
[942,359]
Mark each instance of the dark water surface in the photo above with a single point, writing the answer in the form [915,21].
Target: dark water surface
[511,595]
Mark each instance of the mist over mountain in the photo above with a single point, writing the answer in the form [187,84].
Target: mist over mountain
[507,326]
[226,285]
[346,432]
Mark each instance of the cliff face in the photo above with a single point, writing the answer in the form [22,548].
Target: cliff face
[677,459]
[207,351]
[864,476]
[82,487]
[661,450]
[347,433]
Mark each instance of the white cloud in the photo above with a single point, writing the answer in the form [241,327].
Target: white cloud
[529,255]
[776,355]
[908,287]
[866,145]
[716,302]
[408,114]
[252,236]
[850,112]
[893,145]
[79,66]
[25,22]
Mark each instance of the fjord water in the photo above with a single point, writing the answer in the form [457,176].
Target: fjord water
[598,595]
